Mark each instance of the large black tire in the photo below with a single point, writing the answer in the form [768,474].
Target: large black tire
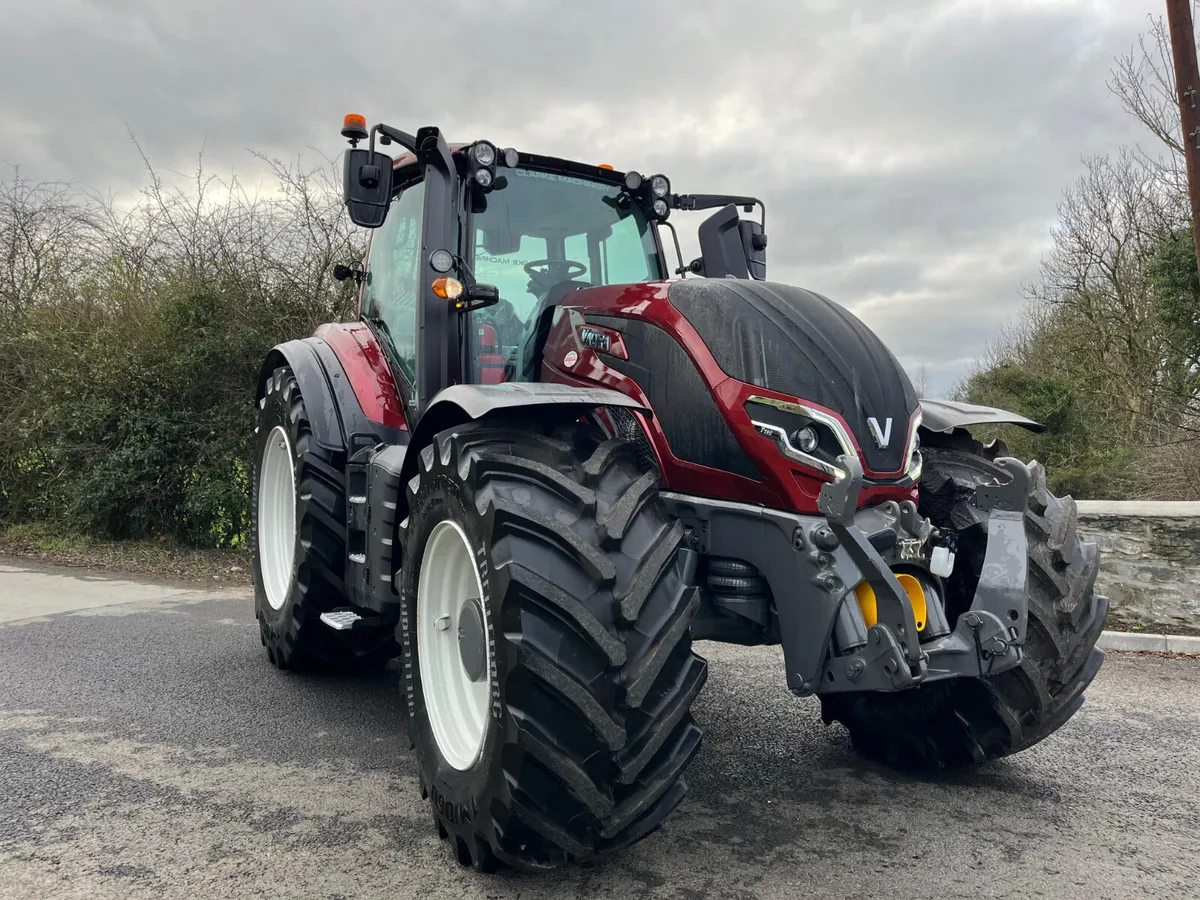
[588,599]
[293,634]
[965,721]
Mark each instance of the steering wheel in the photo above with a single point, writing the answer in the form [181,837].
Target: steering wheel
[552,267]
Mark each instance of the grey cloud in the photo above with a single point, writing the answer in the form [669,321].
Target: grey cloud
[910,153]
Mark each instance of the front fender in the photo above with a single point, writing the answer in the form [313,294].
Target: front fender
[947,415]
[462,403]
[479,400]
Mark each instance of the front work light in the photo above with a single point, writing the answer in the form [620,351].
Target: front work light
[482,158]
[484,153]
[441,260]
[652,194]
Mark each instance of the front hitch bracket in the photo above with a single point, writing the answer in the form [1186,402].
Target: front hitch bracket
[987,639]
[838,501]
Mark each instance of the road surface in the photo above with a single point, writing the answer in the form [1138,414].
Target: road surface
[148,750]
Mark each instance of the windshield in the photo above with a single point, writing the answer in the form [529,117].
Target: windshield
[591,231]
[544,234]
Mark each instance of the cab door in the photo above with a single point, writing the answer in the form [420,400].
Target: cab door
[392,287]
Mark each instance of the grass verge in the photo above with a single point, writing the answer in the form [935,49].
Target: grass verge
[161,558]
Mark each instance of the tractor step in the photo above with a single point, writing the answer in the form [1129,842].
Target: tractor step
[346,618]
[341,619]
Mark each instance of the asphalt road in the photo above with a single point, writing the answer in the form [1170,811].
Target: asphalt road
[147,749]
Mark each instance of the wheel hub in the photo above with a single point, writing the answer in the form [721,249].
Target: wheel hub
[472,650]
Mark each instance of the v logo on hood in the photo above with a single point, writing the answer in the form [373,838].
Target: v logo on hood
[883,436]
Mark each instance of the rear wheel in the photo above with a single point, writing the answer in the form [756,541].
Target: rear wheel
[297,540]
[969,720]
[546,605]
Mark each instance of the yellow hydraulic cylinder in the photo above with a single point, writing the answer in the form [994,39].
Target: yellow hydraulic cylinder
[912,587]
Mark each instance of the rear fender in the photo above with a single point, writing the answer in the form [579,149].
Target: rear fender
[338,421]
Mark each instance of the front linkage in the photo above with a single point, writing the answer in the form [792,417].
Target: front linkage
[813,565]
[987,639]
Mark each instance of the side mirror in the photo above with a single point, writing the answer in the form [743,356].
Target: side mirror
[478,296]
[367,186]
[754,247]
[721,247]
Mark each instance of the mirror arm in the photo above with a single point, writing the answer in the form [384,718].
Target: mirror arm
[678,250]
[403,138]
[688,202]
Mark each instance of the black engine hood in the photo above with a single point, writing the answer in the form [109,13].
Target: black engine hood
[799,343]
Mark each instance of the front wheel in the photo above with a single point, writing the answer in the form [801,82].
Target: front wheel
[546,605]
[963,721]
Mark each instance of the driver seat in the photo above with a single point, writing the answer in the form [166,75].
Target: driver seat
[539,328]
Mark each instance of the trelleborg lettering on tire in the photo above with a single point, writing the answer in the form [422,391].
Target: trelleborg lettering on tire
[440,501]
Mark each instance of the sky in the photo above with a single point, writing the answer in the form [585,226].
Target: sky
[910,153]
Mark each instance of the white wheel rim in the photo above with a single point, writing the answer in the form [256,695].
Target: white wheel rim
[456,705]
[277,517]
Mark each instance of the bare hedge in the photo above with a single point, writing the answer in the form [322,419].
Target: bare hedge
[130,339]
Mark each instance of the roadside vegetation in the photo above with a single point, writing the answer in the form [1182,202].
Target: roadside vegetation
[1107,352]
[130,341]
[161,558]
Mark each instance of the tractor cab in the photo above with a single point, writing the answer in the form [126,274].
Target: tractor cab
[504,237]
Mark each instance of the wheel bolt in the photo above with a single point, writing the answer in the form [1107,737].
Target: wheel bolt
[441,623]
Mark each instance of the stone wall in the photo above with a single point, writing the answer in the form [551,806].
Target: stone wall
[1150,562]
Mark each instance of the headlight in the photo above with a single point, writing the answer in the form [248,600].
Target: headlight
[915,460]
[660,208]
[659,185]
[484,153]
[806,439]
[803,435]
[815,439]
[483,177]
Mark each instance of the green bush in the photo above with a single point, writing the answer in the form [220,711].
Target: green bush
[130,348]
[1079,457]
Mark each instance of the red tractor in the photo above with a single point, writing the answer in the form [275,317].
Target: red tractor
[539,467]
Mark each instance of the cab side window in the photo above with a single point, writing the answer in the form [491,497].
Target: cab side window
[393,276]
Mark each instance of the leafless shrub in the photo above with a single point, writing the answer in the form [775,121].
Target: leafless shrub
[131,335]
